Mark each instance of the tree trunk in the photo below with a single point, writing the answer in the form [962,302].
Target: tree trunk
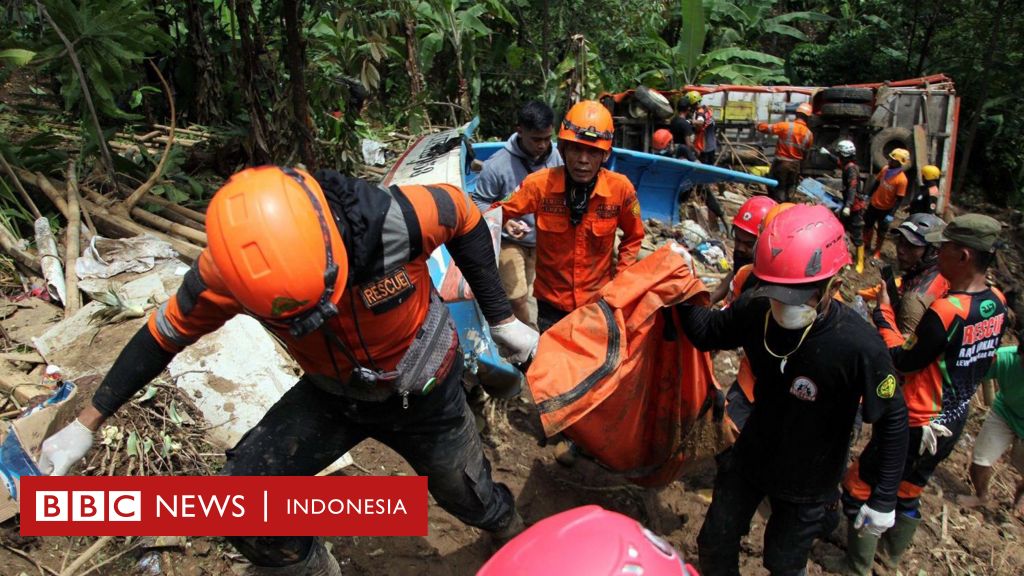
[302,124]
[252,78]
[926,44]
[984,79]
[207,98]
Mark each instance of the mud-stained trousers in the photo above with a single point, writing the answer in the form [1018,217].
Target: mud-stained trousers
[787,173]
[308,429]
[791,530]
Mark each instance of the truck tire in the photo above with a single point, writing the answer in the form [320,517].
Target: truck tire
[845,110]
[654,102]
[849,95]
[888,139]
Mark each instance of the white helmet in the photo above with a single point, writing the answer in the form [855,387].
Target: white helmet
[846,148]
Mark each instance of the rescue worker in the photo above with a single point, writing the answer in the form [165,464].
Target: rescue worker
[852,211]
[702,119]
[926,198]
[942,363]
[526,151]
[335,268]
[745,228]
[579,207]
[663,144]
[886,195]
[920,281]
[814,362]
[795,139]
[591,541]
[1004,425]
[682,130]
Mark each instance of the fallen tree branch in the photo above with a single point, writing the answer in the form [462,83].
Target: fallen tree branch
[124,227]
[21,189]
[28,557]
[43,183]
[89,553]
[71,244]
[133,199]
[22,256]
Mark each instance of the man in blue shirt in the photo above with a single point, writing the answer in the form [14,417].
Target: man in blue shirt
[526,151]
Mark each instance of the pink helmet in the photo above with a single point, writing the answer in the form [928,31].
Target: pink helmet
[752,213]
[587,540]
[802,245]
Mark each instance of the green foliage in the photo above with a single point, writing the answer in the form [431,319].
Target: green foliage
[110,38]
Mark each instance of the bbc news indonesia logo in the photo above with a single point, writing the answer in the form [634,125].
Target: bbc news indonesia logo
[223,505]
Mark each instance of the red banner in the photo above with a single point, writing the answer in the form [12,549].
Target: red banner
[223,505]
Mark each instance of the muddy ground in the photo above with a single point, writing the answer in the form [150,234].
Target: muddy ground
[952,541]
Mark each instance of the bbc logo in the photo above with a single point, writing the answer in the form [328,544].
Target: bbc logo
[88,506]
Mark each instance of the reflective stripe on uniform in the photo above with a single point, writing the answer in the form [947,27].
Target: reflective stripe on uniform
[168,331]
[395,237]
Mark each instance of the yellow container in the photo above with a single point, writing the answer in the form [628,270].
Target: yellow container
[761,171]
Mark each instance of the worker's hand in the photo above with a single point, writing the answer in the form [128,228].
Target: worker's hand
[846,211]
[516,341]
[517,229]
[930,435]
[64,448]
[882,298]
[684,252]
[872,521]
[824,151]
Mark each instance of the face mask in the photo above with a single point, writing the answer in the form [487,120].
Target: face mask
[793,317]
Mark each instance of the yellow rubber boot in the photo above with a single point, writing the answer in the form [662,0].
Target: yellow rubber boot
[860,259]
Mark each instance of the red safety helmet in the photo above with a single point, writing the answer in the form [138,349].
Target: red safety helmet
[800,246]
[277,248]
[662,139]
[589,123]
[587,541]
[752,213]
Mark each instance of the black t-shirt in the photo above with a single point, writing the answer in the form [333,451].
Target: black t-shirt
[795,444]
[681,130]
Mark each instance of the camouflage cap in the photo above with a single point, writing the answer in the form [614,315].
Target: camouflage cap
[971,230]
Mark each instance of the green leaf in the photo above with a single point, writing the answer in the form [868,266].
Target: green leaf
[784,30]
[150,391]
[174,416]
[133,444]
[147,445]
[17,56]
[800,17]
[691,36]
[168,445]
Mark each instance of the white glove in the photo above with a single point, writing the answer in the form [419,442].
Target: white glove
[516,341]
[874,522]
[846,211]
[930,438]
[64,448]
[824,150]
[684,252]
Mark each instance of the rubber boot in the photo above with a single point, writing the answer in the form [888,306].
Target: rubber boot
[319,562]
[897,539]
[860,259]
[859,556]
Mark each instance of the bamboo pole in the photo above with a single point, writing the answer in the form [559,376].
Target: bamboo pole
[22,256]
[71,241]
[169,206]
[39,181]
[161,223]
[122,227]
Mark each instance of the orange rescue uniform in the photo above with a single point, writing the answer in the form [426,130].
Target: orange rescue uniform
[885,197]
[795,138]
[574,262]
[377,320]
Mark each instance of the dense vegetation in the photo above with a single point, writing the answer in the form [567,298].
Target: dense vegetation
[288,79]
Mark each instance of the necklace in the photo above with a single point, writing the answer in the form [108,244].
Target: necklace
[784,357]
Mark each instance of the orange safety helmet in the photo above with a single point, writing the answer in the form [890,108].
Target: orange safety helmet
[588,123]
[662,139]
[772,213]
[805,109]
[277,248]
